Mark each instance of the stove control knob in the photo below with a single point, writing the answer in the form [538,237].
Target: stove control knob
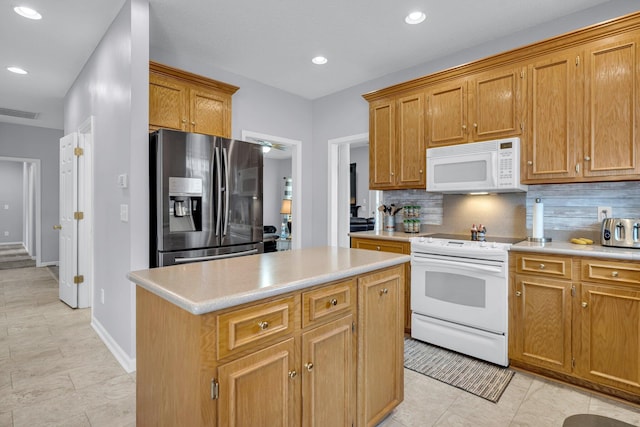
[494,245]
[483,244]
[421,240]
[429,239]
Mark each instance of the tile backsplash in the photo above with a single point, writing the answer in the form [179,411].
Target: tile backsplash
[569,209]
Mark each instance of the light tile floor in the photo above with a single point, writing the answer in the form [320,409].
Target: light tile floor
[55,371]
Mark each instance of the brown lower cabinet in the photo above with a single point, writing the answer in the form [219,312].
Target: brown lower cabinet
[330,355]
[394,246]
[577,319]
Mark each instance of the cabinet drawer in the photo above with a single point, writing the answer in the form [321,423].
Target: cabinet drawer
[381,245]
[549,266]
[612,272]
[325,303]
[240,329]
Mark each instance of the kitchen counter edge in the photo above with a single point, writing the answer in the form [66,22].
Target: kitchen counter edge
[234,299]
[566,248]
[387,235]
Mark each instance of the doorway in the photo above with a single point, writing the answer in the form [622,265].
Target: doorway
[339,206]
[283,149]
[31,206]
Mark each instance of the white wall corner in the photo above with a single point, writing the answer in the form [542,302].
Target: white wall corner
[128,363]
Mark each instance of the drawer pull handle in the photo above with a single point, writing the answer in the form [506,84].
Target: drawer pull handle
[309,366]
[377,248]
[263,325]
[614,274]
[292,374]
[384,291]
[584,304]
[541,266]
[518,293]
[333,302]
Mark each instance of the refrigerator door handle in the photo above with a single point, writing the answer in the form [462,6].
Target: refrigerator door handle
[213,257]
[226,191]
[219,191]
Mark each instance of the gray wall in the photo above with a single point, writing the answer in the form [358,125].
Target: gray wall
[38,143]
[113,87]
[273,189]
[11,201]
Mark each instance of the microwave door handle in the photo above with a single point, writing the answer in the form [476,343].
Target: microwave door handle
[218,190]
[464,266]
[225,157]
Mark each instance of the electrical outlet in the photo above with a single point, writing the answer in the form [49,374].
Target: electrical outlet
[604,212]
[6,233]
[102,296]
[124,213]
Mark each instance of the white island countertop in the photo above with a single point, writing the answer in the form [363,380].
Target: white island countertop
[204,287]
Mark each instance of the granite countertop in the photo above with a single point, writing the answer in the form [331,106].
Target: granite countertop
[387,235]
[567,248]
[204,287]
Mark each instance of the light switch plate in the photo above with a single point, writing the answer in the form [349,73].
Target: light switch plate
[123,180]
[124,213]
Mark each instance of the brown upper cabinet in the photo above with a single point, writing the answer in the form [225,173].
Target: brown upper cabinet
[397,155]
[584,113]
[184,101]
[572,100]
[484,106]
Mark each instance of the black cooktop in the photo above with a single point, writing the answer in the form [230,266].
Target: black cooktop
[510,240]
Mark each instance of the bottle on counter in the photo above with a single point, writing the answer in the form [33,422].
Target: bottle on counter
[482,233]
[474,233]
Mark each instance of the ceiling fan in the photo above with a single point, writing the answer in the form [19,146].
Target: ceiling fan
[268,145]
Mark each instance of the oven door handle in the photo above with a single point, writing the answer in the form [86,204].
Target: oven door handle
[430,262]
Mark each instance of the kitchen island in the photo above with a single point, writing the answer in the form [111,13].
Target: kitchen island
[304,337]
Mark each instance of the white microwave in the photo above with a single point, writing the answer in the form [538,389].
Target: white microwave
[489,166]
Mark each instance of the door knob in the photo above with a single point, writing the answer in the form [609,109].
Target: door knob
[57,227]
[518,293]
[309,366]
[584,304]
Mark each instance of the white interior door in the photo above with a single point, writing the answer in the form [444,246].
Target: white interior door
[68,251]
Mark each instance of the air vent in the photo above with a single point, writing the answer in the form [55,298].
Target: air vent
[18,113]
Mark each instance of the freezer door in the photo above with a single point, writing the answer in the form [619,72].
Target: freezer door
[184,206]
[241,192]
[209,254]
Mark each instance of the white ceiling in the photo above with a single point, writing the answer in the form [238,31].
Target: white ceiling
[268,41]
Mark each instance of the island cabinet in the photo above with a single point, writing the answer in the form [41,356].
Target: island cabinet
[479,107]
[583,113]
[397,156]
[321,356]
[184,101]
[398,247]
[577,319]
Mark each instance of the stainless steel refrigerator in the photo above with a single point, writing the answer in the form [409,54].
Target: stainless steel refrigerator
[206,197]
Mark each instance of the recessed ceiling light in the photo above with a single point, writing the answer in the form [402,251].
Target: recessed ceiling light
[415,18]
[319,60]
[27,12]
[17,70]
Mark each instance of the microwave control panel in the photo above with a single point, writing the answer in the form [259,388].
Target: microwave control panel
[508,161]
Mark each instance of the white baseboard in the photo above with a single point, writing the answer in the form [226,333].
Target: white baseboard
[11,243]
[125,361]
[47,263]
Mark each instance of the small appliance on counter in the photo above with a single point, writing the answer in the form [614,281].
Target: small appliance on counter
[621,232]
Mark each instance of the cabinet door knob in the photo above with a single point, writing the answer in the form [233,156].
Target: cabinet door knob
[475,125]
[309,366]
[541,266]
[584,304]
[614,274]
[587,158]
[377,248]
[384,291]
[530,163]
[57,227]
[464,127]
[420,170]
[263,325]
[292,374]
[518,293]
[333,302]
[392,174]
[184,120]
[193,123]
